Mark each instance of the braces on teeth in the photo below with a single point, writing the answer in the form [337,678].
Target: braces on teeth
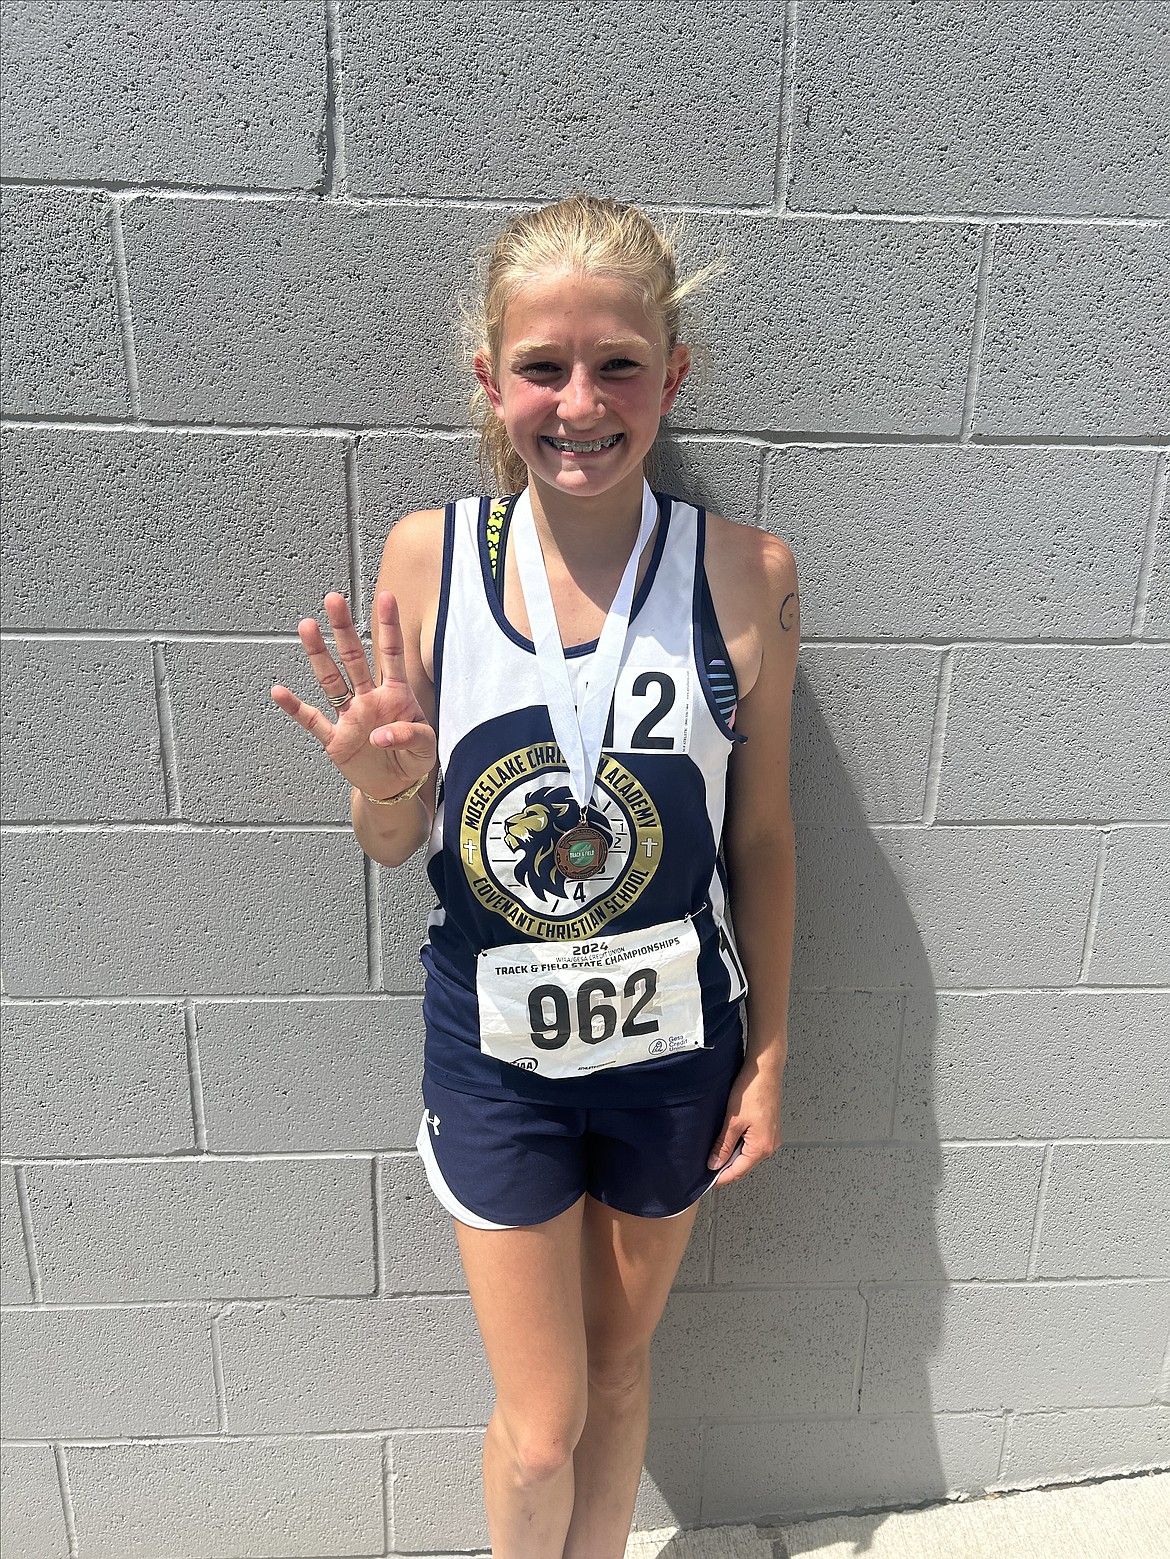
[586,444]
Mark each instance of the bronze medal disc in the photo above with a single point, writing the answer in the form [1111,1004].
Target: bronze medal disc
[581,851]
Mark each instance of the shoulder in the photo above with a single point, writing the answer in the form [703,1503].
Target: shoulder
[752,578]
[749,560]
[416,536]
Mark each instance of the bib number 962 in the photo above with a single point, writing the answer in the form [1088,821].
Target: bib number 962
[594,1015]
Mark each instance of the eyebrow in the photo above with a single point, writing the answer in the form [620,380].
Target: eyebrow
[525,348]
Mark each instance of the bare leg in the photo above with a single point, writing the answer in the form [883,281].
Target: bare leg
[628,1265]
[525,1285]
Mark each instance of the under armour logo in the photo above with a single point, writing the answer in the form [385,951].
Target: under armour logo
[432,1121]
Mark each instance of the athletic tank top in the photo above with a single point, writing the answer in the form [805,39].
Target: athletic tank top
[504,804]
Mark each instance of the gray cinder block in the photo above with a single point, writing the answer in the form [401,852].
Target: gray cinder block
[1157,621]
[912,906]
[953,104]
[1132,941]
[391,1363]
[260,1499]
[1058,734]
[712,1360]
[833,326]
[810,1465]
[258,522]
[95,1079]
[398,473]
[722,475]
[97,702]
[229,94]
[15,1285]
[549,85]
[407,900]
[240,758]
[240,912]
[1067,533]
[311,1076]
[95,1372]
[880,1213]
[1008,1345]
[861,728]
[62,341]
[203,1230]
[32,1517]
[1106,1211]
[839,1074]
[1037,1064]
[418,1240]
[1082,1442]
[299,312]
[438,1490]
[1077,324]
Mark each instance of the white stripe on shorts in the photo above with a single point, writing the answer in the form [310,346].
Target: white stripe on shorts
[442,1190]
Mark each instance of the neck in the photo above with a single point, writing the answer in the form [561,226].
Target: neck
[587,533]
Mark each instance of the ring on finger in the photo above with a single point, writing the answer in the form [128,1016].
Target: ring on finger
[339,700]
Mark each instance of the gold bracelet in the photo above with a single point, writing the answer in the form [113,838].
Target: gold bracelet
[403,795]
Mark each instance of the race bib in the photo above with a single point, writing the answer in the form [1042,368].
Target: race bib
[568,1009]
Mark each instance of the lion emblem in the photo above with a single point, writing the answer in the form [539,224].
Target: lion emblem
[548,813]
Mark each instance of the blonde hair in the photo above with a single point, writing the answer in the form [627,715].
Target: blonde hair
[592,237]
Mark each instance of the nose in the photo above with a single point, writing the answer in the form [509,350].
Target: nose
[580,399]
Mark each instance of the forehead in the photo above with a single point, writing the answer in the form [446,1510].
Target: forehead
[567,305]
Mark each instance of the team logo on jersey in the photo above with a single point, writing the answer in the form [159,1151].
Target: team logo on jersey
[523,844]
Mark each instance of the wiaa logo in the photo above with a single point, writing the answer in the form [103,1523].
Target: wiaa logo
[525,1063]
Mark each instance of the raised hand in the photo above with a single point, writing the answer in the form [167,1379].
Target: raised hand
[381,741]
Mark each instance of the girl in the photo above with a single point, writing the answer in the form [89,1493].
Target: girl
[579,662]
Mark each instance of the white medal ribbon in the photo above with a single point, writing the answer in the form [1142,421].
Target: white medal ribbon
[579,731]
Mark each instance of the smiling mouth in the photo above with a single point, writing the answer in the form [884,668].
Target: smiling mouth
[588,446]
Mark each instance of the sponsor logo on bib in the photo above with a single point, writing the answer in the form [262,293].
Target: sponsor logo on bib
[530,857]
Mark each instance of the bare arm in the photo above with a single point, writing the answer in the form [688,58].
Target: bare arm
[760,847]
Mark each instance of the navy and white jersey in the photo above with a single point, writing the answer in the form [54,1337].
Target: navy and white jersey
[504,804]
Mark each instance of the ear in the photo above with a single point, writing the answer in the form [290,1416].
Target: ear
[486,376]
[678,366]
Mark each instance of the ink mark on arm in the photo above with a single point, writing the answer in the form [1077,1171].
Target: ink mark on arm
[791,596]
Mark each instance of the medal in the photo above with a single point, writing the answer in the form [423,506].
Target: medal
[581,852]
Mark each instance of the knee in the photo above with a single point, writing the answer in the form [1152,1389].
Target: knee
[540,1451]
[620,1373]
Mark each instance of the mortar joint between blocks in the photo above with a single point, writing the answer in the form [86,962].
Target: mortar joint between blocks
[938,736]
[167,746]
[334,177]
[1032,1271]
[28,1234]
[195,1074]
[859,1360]
[1091,919]
[66,1498]
[1149,546]
[122,305]
[782,173]
[221,1416]
[376,1182]
[978,331]
[388,1539]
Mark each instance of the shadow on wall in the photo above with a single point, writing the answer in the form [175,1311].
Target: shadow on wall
[791,1370]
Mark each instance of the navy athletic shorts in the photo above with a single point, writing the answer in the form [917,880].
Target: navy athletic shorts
[502,1163]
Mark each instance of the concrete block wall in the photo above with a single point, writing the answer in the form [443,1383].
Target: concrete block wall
[234,232]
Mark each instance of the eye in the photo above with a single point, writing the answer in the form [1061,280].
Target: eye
[538,369]
[621,365]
